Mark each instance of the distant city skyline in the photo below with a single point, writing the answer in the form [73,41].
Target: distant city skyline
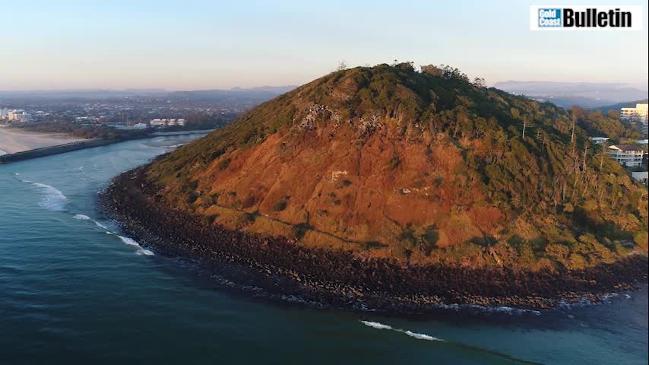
[193,45]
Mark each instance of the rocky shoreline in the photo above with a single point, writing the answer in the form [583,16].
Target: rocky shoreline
[282,268]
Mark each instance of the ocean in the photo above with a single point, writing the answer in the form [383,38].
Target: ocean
[76,290]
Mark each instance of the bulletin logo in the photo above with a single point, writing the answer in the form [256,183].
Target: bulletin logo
[586,17]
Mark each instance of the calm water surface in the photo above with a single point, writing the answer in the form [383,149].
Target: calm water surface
[74,290]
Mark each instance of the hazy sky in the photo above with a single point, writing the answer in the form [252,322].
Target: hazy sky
[194,44]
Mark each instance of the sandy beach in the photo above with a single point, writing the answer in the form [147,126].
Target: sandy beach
[16,140]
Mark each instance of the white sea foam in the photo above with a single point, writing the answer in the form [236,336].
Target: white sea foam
[102,226]
[129,241]
[487,309]
[144,251]
[377,325]
[422,336]
[81,217]
[53,198]
[140,250]
[419,336]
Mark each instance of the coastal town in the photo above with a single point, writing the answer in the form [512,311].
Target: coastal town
[129,111]
[37,120]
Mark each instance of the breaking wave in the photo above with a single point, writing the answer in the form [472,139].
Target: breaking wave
[377,325]
[102,226]
[422,336]
[419,336]
[140,250]
[52,199]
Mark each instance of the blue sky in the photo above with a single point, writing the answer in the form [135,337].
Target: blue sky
[195,44]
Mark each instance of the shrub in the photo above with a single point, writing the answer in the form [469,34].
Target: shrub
[299,230]
[394,162]
[224,164]
[429,240]
[280,205]
[372,245]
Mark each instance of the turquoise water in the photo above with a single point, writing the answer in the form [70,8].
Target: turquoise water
[73,291]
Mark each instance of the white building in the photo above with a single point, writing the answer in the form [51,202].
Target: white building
[626,155]
[166,122]
[16,115]
[599,140]
[639,113]
[158,122]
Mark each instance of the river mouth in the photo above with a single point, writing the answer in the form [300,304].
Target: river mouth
[328,279]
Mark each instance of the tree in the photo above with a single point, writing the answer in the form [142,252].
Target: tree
[479,82]
[341,66]
[432,70]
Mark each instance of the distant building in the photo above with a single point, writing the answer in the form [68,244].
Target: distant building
[638,114]
[166,122]
[17,116]
[627,155]
[640,176]
[85,119]
[599,140]
[158,122]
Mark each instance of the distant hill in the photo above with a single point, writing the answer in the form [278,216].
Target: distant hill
[243,95]
[252,95]
[567,94]
[618,106]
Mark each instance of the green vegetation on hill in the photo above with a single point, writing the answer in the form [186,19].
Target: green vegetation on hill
[542,194]
[605,124]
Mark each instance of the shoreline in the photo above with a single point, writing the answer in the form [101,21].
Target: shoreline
[15,140]
[79,145]
[54,150]
[280,267]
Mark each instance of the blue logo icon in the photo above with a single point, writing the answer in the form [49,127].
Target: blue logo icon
[550,18]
